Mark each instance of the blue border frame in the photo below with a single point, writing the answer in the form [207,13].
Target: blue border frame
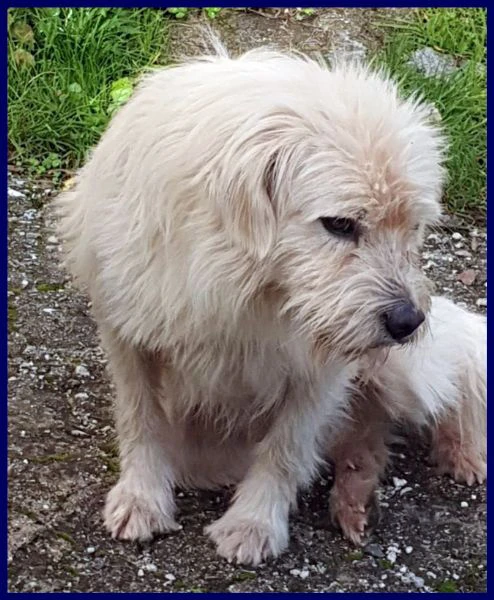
[4,253]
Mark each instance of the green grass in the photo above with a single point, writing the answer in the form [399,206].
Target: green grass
[69,69]
[460,97]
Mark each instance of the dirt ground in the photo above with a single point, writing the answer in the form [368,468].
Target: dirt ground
[62,455]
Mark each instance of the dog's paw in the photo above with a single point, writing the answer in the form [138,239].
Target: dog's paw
[134,517]
[463,466]
[356,520]
[247,542]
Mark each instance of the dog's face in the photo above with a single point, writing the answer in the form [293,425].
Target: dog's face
[329,191]
[350,215]
[347,253]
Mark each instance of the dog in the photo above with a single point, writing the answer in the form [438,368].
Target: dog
[247,230]
[439,387]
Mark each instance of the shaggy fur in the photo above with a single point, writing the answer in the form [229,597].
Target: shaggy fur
[439,384]
[232,319]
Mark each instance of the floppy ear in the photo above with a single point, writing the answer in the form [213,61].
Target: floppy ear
[249,212]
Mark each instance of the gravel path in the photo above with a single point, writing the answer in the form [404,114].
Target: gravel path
[62,459]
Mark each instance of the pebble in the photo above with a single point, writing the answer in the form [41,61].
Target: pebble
[170,577]
[15,194]
[90,549]
[374,550]
[140,573]
[473,496]
[81,371]
[464,504]
[432,63]
[409,549]
[303,574]
[481,302]
[78,433]
[392,553]
[52,240]
[457,236]
[151,568]
[405,490]
[399,483]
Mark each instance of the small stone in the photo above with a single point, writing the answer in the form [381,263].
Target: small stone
[399,483]
[464,504]
[23,433]
[303,574]
[90,550]
[432,63]
[481,302]
[374,550]
[392,554]
[405,490]
[52,240]
[24,283]
[473,496]
[151,568]
[170,577]
[409,549]
[467,277]
[15,194]
[457,236]
[140,573]
[81,371]
[78,433]
[403,569]
[49,311]
[83,396]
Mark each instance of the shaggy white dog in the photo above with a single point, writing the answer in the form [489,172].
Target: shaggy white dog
[246,229]
[438,385]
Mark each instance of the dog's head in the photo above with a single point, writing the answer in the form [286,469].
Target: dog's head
[334,186]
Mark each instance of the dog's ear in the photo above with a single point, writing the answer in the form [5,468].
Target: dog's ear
[249,210]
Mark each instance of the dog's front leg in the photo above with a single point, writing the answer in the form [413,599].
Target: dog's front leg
[142,502]
[256,525]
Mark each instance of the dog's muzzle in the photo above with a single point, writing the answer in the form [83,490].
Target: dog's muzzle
[402,320]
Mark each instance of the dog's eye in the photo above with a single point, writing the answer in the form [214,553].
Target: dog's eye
[340,226]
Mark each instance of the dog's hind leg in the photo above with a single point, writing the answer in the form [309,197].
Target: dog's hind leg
[459,438]
[359,456]
[142,502]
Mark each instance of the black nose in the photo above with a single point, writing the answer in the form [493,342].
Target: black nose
[402,320]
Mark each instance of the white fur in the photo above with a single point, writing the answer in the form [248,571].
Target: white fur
[233,320]
[438,384]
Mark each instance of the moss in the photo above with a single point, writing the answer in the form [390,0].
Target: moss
[112,464]
[385,563]
[49,287]
[12,317]
[65,536]
[50,458]
[446,586]
[72,571]
[243,576]
[110,449]
[356,555]
[181,586]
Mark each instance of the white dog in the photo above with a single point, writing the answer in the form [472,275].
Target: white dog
[246,229]
[438,384]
